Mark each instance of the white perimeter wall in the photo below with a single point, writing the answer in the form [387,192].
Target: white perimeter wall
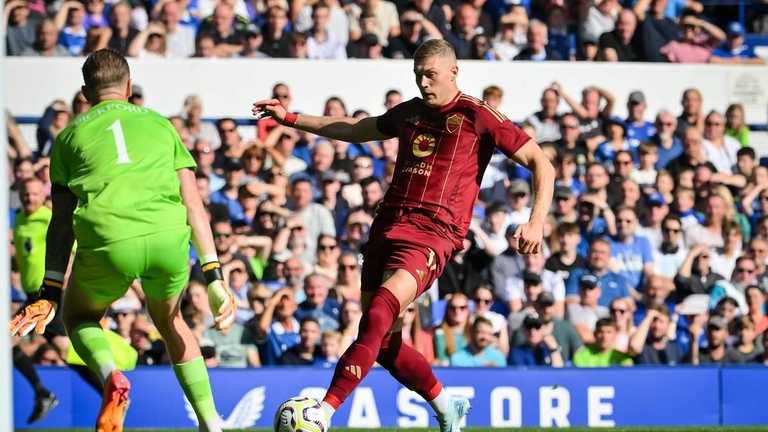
[228,87]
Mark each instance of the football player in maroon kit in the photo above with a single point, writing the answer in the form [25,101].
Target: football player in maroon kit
[446,140]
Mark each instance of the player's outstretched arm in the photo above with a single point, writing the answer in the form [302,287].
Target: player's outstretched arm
[58,242]
[531,235]
[347,129]
[219,296]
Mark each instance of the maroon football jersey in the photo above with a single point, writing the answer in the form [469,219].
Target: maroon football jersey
[443,154]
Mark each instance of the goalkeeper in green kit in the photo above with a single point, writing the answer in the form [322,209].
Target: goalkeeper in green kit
[124,188]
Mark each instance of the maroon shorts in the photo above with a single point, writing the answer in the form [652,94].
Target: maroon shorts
[412,242]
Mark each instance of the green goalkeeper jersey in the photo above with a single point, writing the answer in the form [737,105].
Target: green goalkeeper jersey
[120,160]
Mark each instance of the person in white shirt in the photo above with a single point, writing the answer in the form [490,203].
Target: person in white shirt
[720,149]
[519,195]
[321,43]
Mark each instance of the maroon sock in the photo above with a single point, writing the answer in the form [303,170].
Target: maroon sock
[409,367]
[354,365]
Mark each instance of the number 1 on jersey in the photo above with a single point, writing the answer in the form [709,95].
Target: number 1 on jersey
[122,150]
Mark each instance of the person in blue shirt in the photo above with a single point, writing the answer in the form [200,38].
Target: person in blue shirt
[612,285]
[734,50]
[632,253]
[616,131]
[540,349]
[229,194]
[480,352]
[638,129]
[318,305]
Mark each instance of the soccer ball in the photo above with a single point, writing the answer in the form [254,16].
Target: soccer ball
[300,414]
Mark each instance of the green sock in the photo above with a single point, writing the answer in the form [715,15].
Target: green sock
[91,345]
[193,377]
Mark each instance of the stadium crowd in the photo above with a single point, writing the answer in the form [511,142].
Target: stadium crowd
[657,241]
[681,31]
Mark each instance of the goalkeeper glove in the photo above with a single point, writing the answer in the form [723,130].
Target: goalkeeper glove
[38,314]
[220,297]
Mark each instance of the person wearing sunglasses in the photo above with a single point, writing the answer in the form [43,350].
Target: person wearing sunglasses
[453,334]
[621,313]
[671,253]
[483,300]
[539,348]
[633,253]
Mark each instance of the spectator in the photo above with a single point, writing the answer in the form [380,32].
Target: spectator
[763,358]
[566,259]
[546,122]
[601,18]
[349,322]
[318,305]
[235,348]
[322,44]
[745,350]
[307,352]
[588,111]
[616,142]
[338,24]
[632,254]
[655,29]
[276,38]
[433,13]
[532,288]
[415,335]
[483,300]
[638,129]
[512,35]
[228,195]
[735,124]
[491,235]
[46,44]
[205,46]
[621,314]
[518,195]
[657,292]
[651,343]
[734,50]
[560,36]
[536,48]
[724,258]
[551,283]
[199,128]
[539,349]
[453,334]
[571,141]
[386,22]
[692,155]
[70,22]
[330,344]
[612,284]
[21,25]
[695,275]
[121,30]
[493,95]
[720,149]
[692,115]
[602,353]
[565,197]
[314,218]
[466,26]
[481,48]
[668,145]
[563,331]
[716,334]
[697,43]
[756,300]
[585,314]
[671,253]
[415,30]
[620,44]
[278,326]
[464,272]
[179,38]
[480,351]
[645,174]
[328,254]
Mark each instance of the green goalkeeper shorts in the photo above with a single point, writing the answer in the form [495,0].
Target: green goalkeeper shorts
[160,261]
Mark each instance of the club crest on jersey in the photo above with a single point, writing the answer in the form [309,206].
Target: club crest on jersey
[423,145]
[453,122]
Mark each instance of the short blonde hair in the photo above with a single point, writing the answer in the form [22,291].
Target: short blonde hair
[434,48]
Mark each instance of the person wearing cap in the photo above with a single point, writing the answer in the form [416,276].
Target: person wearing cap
[546,121]
[650,344]
[716,335]
[565,205]
[480,352]
[584,314]
[734,50]
[532,289]
[699,38]
[602,353]
[551,282]
[638,128]
[620,44]
[563,331]
[538,349]
[518,197]
[612,284]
